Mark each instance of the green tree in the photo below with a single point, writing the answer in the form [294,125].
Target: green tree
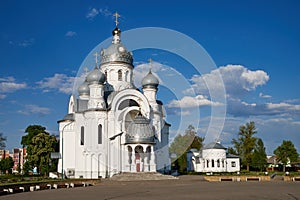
[32,131]
[182,144]
[245,144]
[6,165]
[259,159]
[2,141]
[286,153]
[41,147]
[232,150]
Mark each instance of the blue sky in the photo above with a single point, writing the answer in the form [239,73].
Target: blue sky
[254,44]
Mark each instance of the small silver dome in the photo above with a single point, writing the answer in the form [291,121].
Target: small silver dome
[139,131]
[150,80]
[96,76]
[84,89]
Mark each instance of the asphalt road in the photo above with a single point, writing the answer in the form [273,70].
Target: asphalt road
[184,188]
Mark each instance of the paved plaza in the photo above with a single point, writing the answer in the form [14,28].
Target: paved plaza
[186,187]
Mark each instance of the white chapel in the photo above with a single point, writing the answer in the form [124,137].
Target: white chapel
[112,126]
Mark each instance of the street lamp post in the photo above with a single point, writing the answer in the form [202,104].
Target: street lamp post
[62,149]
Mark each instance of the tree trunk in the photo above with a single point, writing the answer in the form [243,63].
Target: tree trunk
[248,168]
[283,167]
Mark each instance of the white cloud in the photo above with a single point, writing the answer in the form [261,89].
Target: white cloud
[105,12]
[34,109]
[92,13]
[60,82]
[26,43]
[70,34]
[9,85]
[237,79]
[265,96]
[238,107]
[191,102]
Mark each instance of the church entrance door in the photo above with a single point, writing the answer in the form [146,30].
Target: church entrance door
[138,162]
[138,158]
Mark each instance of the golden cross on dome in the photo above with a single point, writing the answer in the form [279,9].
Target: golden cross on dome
[96,57]
[117,16]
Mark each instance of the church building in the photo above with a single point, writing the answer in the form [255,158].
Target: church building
[212,158]
[112,126]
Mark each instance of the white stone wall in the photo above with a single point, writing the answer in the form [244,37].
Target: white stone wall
[212,160]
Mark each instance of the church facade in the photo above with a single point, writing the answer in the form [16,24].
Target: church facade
[112,126]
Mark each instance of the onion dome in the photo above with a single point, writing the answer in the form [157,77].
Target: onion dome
[84,89]
[140,131]
[116,52]
[150,81]
[96,77]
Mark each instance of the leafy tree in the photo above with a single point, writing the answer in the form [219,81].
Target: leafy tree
[6,165]
[259,159]
[245,144]
[2,141]
[41,147]
[32,131]
[286,152]
[182,144]
[231,150]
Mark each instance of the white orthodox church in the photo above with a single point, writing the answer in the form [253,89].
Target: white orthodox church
[212,158]
[112,126]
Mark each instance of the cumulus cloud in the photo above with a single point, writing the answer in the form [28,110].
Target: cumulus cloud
[26,43]
[191,102]
[105,12]
[237,79]
[237,107]
[70,34]
[92,13]
[34,109]
[9,85]
[265,96]
[60,82]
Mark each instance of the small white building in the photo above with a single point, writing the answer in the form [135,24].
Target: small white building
[112,126]
[212,158]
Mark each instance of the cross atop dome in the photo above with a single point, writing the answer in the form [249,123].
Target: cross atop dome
[117,15]
[96,58]
[116,32]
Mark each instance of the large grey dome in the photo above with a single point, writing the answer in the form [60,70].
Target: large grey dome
[116,52]
[150,80]
[84,89]
[139,131]
[96,76]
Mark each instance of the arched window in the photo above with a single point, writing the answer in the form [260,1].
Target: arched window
[218,163]
[212,163]
[100,134]
[207,163]
[82,136]
[120,75]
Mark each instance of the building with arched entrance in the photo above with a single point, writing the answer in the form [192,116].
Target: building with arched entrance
[112,126]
